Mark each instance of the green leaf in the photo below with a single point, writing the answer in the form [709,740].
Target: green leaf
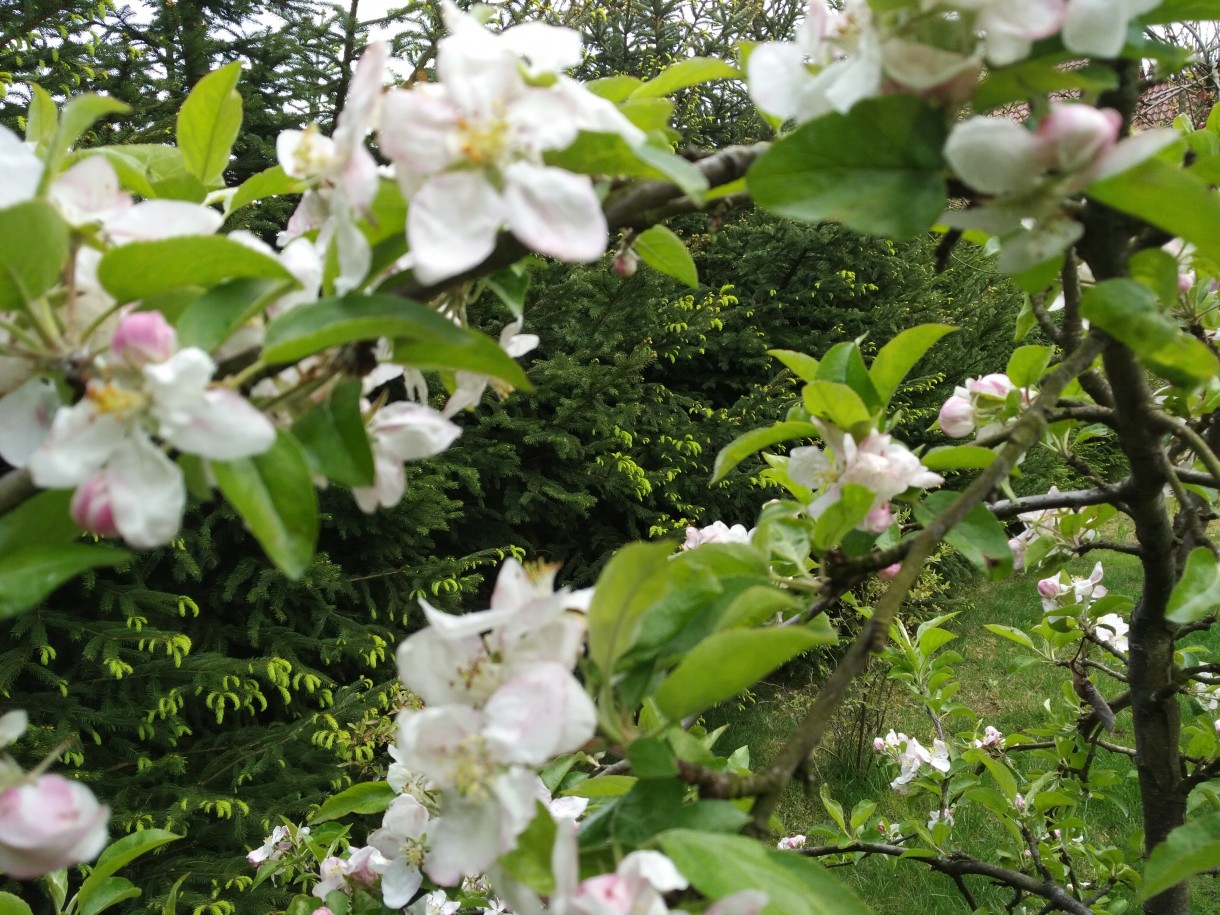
[726,662]
[510,286]
[894,360]
[979,536]
[843,363]
[28,270]
[1038,77]
[662,250]
[213,317]
[1127,310]
[12,905]
[110,893]
[530,860]
[274,494]
[81,113]
[1197,593]
[636,578]
[29,574]
[42,520]
[209,122]
[42,118]
[334,438]
[153,170]
[656,805]
[1158,270]
[837,403]
[647,113]
[1168,198]
[685,73]
[748,443]
[614,88]
[363,798]
[1011,633]
[651,757]
[142,269]
[1189,850]
[877,169]
[720,865]
[801,365]
[602,786]
[422,337]
[1027,365]
[118,855]
[271,182]
[958,457]
[843,516]
[1181,11]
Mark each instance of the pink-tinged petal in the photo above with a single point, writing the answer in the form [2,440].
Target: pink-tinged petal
[81,440]
[539,714]
[995,155]
[1130,152]
[92,509]
[156,219]
[363,95]
[147,494]
[25,419]
[957,417]
[222,426]
[359,180]
[432,740]
[778,78]
[416,126]
[143,337]
[389,483]
[452,224]
[353,251]
[89,192]
[49,823]
[555,212]
[20,169]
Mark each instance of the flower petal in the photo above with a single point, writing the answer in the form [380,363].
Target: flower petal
[555,212]
[452,224]
[147,494]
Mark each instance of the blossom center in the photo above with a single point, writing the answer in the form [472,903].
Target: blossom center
[116,400]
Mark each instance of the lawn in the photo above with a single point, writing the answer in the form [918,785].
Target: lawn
[1003,691]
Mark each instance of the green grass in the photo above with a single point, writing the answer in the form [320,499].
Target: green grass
[1005,695]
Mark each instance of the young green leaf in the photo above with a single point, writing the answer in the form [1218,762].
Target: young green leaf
[663,251]
[1191,849]
[636,578]
[748,443]
[334,438]
[28,270]
[894,360]
[29,574]
[685,73]
[1197,592]
[362,797]
[208,124]
[142,269]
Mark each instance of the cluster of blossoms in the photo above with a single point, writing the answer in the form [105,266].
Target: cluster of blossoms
[466,150]
[1048,523]
[1027,173]
[46,821]
[982,403]
[935,49]
[992,739]
[1062,590]
[877,462]
[716,532]
[911,756]
[142,390]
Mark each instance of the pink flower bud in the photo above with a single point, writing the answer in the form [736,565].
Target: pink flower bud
[1185,281]
[1048,588]
[1076,135]
[143,337]
[47,824]
[878,519]
[625,263]
[1019,802]
[322,910]
[879,744]
[957,417]
[91,508]
[1217,725]
[889,573]
[994,385]
[1017,545]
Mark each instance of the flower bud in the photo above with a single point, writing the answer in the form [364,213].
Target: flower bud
[47,824]
[1075,135]
[92,509]
[1019,802]
[994,385]
[143,337]
[957,417]
[1185,281]
[879,744]
[1018,546]
[1049,588]
[878,519]
[626,263]
[889,573]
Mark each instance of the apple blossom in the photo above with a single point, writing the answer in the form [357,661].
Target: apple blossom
[435,903]
[401,843]
[1098,28]
[401,431]
[788,843]
[49,823]
[26,415]
[20,167]
[471,385]
[1112,629]
[957,417]
[991,738]
[716,532]
[943,815]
